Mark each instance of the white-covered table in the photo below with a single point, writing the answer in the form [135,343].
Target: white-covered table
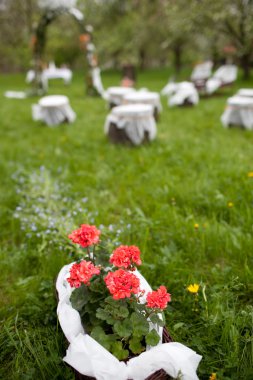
[245,92]
[145,97]
[131,123]
[239,112]
[51,73]
[53,110]
[115,95]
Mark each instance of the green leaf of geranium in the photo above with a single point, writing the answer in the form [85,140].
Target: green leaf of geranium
[123,328]
[139,324]
[97,285]
[157,320]
[135,345]
[79,297]
[118,351]
[106,340]
[152,338]
[105,316]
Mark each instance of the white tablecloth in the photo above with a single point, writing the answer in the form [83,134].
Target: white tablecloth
[115,95]
[239,111]
[53,110]
[91,359]
[144,97]
[51,73]
[245,92]
[135,119]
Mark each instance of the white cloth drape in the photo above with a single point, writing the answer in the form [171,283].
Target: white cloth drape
[224,75]
[53,110]
[144,97]
[89,358]
[239,111]
[202,71]
[135,119]
[181,92]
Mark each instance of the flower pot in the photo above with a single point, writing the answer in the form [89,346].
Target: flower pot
[91,361]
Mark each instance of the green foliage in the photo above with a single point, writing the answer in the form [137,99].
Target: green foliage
[152,338]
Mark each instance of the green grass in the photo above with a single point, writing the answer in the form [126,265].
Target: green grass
[151,196]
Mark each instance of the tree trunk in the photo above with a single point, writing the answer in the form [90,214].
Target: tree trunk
[177,50]
[245,64]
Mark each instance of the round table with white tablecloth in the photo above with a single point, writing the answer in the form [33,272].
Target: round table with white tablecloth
[53,110]
[131,124]
[239,112]
[145,97]
[115,95]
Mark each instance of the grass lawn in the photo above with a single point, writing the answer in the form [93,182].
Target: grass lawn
[186,200]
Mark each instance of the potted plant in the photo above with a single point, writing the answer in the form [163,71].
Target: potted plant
[111,316]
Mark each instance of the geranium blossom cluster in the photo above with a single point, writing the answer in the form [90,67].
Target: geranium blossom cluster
[85,236]
[81,273]
[121,283]
[158,299]
[125,256]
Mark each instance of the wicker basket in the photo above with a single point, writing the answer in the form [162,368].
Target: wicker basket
[158,375]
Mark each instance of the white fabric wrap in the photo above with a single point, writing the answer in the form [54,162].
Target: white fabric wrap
[54,4]
[134,126]
[96,80]
[144,97]
[239,111]
[182,92]
[53,110]
[51,73]
[202,71]
[224,75]
[89,358]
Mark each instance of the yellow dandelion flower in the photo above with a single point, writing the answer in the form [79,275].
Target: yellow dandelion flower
[250,174]
[213,376]
[230,204]
[193,288]
[196,226]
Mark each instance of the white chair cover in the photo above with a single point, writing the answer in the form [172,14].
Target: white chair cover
[182,92]
[224,75]
[169,89]
[239,111]
[202,71]
[53,110]
[135,119]
[89,358]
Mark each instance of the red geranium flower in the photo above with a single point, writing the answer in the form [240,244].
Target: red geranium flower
[82,273]
[125,255]
[158,299]
[122,284]
[85,235]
